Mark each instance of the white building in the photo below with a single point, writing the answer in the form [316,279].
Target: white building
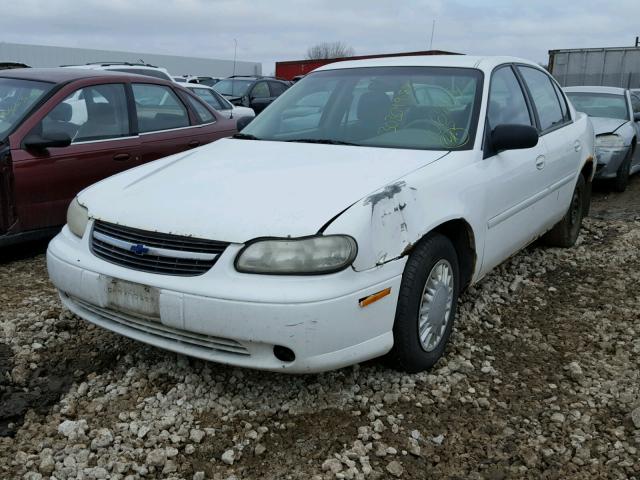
[46,56]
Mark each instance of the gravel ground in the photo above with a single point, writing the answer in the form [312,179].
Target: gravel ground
[542,380]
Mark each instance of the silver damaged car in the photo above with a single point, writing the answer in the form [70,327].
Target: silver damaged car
[615,114]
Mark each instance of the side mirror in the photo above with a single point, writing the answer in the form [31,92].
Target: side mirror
[53,140]
[513,137]
[636,117]
[243,122]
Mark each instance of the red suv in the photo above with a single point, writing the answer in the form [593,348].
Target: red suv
[63,129]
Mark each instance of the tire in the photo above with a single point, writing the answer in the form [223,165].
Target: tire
[565,232]
[622,176]
[433,256]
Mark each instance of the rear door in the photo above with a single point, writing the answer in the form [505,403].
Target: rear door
[561,138]
[515,186]
[260,96]
[97,119]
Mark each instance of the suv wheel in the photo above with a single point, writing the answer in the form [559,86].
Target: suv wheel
[426,304]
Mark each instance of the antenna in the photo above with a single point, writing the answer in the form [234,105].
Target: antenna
[433,28]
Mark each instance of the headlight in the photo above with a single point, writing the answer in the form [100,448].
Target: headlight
[609,141]
[285,256]
[77,218]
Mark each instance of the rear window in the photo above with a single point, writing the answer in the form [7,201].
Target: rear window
[605,105]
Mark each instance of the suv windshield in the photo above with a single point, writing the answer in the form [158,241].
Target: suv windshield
[600,104]
[431,108]
[232,88]
[16,99]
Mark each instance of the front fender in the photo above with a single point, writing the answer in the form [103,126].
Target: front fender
[390,221]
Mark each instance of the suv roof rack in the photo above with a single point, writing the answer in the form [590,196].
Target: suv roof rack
[258,77]
[133,64]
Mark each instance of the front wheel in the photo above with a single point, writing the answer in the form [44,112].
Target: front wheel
[566,231]
[622,176]
[426,305]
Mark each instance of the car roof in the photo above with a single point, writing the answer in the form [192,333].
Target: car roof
[595,89]
[486,63]
[66,74]
[197,85]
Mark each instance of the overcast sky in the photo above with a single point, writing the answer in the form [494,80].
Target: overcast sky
[268,31]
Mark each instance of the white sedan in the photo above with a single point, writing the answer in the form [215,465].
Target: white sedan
[218,102]
[307,245]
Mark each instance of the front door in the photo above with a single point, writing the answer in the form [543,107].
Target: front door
[96,119]
[260,97]
[514,180]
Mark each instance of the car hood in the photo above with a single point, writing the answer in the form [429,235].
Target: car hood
[606,125]
[236,190]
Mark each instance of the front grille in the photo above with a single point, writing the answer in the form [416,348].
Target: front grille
[154,252]
[152,326]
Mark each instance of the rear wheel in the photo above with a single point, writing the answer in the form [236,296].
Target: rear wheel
[426,304]
[622,176]
[566,231]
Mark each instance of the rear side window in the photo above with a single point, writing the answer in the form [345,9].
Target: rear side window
[97,112]
[635,103]
[507,104]
[276,88]
[209,97]
[544,97]
[158,108]
[204,115]
[261,90]
[563,102]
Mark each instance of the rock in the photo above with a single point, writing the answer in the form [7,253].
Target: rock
[103,438]
[196,435]
[157,457]
[557,417]
[635,417]
[47,464]
[73,429]
[228,457]
[143,430]
[437,440]
[198,476]
[259,449]
[395,468]
[96,472]
[332,465]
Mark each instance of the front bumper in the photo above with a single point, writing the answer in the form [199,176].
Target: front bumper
[608,161]
[233,318]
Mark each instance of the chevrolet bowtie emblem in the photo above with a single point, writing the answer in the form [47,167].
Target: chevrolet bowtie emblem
[139,249]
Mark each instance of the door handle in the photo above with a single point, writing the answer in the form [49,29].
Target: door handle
[577,146]
[121,157]
[194,143]
[540,162]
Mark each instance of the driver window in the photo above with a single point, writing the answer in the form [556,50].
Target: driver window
[506,100]
[92,113]
[635,103]
[261,90]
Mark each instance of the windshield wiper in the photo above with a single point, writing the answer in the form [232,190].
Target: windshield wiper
[325,141]
[246,136]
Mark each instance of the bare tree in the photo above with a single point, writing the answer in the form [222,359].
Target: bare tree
[329,50]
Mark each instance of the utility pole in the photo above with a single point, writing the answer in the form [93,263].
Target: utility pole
[433,28]
[637,42]
[235,52]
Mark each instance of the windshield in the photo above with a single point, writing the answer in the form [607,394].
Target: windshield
[600,104]
[430,108]
[232,88]
[16,99]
